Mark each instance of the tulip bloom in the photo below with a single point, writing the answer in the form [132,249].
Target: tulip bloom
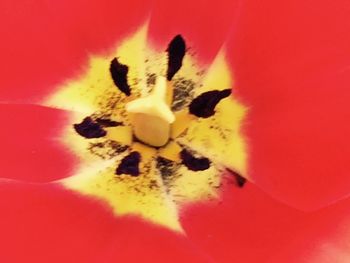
[287,64]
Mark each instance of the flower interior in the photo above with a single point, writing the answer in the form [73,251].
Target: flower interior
[154,131]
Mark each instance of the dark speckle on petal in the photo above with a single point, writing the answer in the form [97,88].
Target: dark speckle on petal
[240,180]
[165,166]
[130,164]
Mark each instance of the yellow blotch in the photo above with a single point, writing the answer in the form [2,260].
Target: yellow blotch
[132,53]
[171,152]
[218,76]
[85,93]
[121,134]
[95,91]
[189,186]
[182,121]
[219,137]
[78,144]
[148,153]
[144,196]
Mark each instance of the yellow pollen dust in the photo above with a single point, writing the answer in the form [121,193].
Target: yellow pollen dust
[157,114]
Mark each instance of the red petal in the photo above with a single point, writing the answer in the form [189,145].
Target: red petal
[323,238]
[49,224]
[44,43]
[204,25]
[291,64]
[30,146]
[247,226]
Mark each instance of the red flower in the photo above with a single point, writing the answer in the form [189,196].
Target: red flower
[290,63]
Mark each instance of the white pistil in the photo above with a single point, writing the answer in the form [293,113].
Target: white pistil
[151,116]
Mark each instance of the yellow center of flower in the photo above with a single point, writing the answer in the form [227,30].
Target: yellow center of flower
[181,148]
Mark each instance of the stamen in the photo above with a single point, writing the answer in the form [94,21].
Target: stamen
[176,52]
[89,129]
[130,164]
[204,105]
[193,163]
[119,74]
[108,123]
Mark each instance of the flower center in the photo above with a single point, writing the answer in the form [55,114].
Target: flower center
[151,116]
[186,123]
